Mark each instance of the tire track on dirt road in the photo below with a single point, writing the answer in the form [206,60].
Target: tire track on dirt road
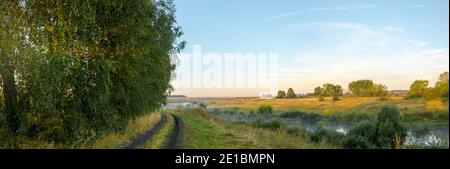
[140,140]
[174,138]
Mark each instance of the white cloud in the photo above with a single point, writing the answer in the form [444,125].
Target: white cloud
[285,15]
[337,8]
[358,51]
[344,8]
[416,6]
[395,29]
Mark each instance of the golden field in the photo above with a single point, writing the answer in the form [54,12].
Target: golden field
[346,104]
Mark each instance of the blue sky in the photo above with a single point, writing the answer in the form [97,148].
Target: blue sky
[336,41]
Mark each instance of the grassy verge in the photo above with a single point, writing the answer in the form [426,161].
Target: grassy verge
[135,128]
[202,130]
[110,140]
[161,139]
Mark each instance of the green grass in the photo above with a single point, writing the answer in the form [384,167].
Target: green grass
[110,140]
[134,129]
[202,130]
[161,138]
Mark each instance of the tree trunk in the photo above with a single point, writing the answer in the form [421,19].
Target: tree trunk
[10,96]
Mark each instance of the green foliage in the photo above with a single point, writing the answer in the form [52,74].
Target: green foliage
[264,110]
[418,89]
[361,87]
[320,92]
[86,68]
[329,90]
[309,117]
[203,105]
[442,86]
[385,132]
[281,94]
[273,124]
[291,94]
[367,88]
[439,116]
[357,142]
[322,134]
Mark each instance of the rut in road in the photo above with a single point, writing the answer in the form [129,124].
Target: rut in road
[173,140]
[139,141]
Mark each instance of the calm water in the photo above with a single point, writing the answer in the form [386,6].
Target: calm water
[438,133]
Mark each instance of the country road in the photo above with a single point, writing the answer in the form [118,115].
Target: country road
[138,142]
[172,144]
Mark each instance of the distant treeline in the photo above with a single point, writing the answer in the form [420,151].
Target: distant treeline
[367,88]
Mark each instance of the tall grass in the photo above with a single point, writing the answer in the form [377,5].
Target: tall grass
[204,130]
[134,129]
[161,138]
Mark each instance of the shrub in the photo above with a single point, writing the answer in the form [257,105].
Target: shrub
[202,105]
[310,117]
[353,117]
[356,142]
[385,132]
[273,124]
[297,132]
[265,110]
[330,136]
[390,131]
[361,135]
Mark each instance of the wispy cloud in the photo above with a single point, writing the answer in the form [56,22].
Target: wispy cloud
[285,15]
[416,6]
[343,8]
[395,29]
[337,8]
[355,51]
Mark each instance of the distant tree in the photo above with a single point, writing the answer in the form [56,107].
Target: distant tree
[328,89]
[418,89]
[332,90]
[379,90]
[291,94]
[337,91]
[281,94]
[361,87]
[366,88]
[319,91]
[442,86]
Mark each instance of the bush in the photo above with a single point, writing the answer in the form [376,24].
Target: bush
[330,136]
[355,117]
[273,124]
[265,110]
[390,132]
[361,135]
[310,117]
[356,142]
[203,105]
[385,132]
[297,132]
